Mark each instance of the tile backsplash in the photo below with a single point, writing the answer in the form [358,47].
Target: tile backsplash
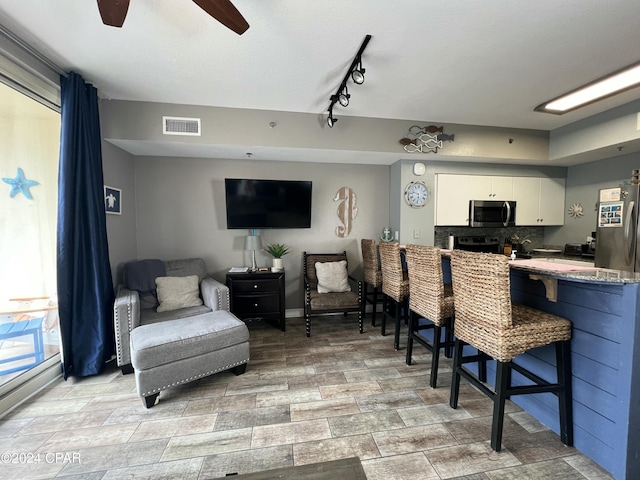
[534,234]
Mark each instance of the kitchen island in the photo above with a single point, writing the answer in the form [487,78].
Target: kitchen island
[603,306]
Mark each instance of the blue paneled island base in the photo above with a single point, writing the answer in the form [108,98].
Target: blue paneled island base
[605,361]
[604,308]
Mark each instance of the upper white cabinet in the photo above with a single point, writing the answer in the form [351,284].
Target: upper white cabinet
[483,187]
[452,200]
[539,201]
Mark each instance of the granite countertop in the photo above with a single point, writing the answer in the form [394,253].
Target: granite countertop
[580,269]
[575,271]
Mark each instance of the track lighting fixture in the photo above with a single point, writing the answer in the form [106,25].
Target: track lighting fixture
[343,98]
[356,72]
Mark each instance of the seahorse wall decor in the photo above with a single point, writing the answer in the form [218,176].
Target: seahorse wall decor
[347,210]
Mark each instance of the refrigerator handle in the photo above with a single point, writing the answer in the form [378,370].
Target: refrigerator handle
[628,240]
[636,247]
[507,205]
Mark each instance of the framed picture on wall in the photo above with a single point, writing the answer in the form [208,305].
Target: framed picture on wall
[112,200]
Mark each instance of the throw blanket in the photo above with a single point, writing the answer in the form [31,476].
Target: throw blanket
[141,276]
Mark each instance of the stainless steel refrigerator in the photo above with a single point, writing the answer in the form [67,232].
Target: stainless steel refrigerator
[617,230]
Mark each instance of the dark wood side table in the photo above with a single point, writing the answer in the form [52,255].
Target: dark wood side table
[258,295]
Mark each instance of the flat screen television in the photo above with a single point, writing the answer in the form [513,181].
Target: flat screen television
[267,203]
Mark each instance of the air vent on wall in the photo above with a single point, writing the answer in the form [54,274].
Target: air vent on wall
[180,126]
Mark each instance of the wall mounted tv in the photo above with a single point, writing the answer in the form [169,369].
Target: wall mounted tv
[267,203]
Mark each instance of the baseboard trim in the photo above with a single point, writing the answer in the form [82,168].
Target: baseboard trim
[294,312]
[299,312]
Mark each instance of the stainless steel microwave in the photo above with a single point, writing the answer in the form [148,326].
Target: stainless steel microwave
[492,213]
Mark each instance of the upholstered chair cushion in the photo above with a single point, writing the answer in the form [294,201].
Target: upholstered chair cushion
[332,277]
[178,292]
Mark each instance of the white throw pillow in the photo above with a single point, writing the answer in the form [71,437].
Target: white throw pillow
[177,292]
[332,277]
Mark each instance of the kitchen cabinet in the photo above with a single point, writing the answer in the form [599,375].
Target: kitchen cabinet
[452,200]
[539,201]
[484,187]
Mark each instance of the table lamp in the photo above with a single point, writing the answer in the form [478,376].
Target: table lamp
[253,242]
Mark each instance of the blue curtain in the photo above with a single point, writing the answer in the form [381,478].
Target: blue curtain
[85,288]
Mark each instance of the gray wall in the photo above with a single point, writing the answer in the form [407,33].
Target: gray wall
[181,212]
[117,168]
[598,136]
[134,125]
[583,183]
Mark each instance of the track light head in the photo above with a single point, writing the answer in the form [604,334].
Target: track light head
[343,98]
[331,121]
[357,75]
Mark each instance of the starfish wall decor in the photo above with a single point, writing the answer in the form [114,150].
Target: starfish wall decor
[20,184]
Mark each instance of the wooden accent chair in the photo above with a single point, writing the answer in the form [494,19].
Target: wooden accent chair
[430,305]
[395,286]
[372,274]
[328,288]
[488,321]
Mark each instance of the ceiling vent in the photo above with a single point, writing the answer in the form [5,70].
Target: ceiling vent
[180,126]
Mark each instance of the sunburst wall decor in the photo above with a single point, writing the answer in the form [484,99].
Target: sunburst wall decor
[576,210]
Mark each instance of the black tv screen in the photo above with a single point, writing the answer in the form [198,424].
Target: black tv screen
[267,203]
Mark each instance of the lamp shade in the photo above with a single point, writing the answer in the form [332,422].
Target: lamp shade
[252,242]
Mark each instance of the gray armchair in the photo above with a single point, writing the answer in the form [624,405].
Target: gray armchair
[136,301]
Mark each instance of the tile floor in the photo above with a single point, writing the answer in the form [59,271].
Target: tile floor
[302,400]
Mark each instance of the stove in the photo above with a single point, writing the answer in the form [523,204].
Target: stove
[478,244]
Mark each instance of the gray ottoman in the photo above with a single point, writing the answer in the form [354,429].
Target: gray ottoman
[173,352]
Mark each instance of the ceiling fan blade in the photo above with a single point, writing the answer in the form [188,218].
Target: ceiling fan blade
[113,12]
[225,13]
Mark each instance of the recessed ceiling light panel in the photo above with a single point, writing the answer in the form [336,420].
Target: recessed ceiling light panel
[613,84]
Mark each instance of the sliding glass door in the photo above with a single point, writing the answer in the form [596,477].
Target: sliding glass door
[29,150]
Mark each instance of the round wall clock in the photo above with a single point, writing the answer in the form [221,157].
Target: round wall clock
[416,194]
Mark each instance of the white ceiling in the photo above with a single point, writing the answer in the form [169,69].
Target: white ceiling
[466,62]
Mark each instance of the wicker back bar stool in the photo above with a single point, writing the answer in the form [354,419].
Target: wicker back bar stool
[430,305]
[486,319]
[395,286]
[372,274]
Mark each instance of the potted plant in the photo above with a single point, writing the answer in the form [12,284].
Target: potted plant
[277,251]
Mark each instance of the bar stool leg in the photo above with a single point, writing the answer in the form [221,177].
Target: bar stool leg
[385,306]
[482,369]
[455,379]
[448,337]
[502,387]
[435,356]
[412,320]
[399,316]
[375,306]
[565,397]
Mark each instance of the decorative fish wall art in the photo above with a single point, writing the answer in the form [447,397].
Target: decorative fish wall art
[425,139]
[347,210]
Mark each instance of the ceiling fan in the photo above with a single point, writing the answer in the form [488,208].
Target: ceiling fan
[113,13]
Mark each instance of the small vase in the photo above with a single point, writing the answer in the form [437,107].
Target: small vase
[277,265]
